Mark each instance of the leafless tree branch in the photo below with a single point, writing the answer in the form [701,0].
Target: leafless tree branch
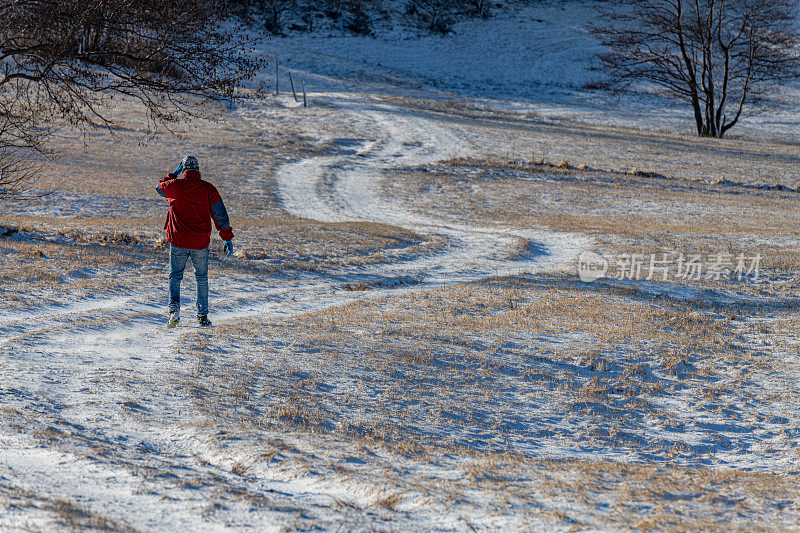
[66,59]
[716,55]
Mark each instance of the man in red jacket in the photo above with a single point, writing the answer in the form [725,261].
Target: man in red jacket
[193,203]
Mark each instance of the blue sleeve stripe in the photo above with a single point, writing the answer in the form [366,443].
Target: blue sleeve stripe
[160,192]
[221,215]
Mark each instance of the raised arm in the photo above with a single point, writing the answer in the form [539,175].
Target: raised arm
[164,183]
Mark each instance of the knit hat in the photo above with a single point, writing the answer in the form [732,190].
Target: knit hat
[190,163]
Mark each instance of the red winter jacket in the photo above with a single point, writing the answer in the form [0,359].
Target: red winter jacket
[192,204]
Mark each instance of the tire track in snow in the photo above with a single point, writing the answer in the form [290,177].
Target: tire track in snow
[348,188]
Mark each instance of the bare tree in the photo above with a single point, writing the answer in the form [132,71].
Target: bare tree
[22,135]
[434,13]
[334,8]
[66,60]
[18,169]
[479,8]
[717,55]
[359,20]
[273,9]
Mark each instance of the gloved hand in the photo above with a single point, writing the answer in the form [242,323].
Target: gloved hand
[178,170]
[228,248]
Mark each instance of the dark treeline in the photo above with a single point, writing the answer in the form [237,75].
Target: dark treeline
[360,16]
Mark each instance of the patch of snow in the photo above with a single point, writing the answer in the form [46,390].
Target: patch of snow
[538,59]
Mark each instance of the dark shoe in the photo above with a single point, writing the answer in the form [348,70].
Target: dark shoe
[203,322]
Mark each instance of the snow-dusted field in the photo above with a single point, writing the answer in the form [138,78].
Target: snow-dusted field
[402,342]
[531,58]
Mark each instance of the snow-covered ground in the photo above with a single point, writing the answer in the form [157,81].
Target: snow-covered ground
[532,401]
[397,139]
[538,59]
[58,360]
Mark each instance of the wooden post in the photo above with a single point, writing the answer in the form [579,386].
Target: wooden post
[291,81]
[305,100]
[277,79]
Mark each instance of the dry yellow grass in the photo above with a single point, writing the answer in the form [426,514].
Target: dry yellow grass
[533,195]
[609,148]
[34,272]
[449,395]
[438,366]
[641,214]
[103,193]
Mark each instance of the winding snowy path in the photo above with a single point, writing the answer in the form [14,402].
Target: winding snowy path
[348,188]
[80,371]
[96,406]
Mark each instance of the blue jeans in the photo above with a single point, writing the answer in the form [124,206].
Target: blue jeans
[177,263]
